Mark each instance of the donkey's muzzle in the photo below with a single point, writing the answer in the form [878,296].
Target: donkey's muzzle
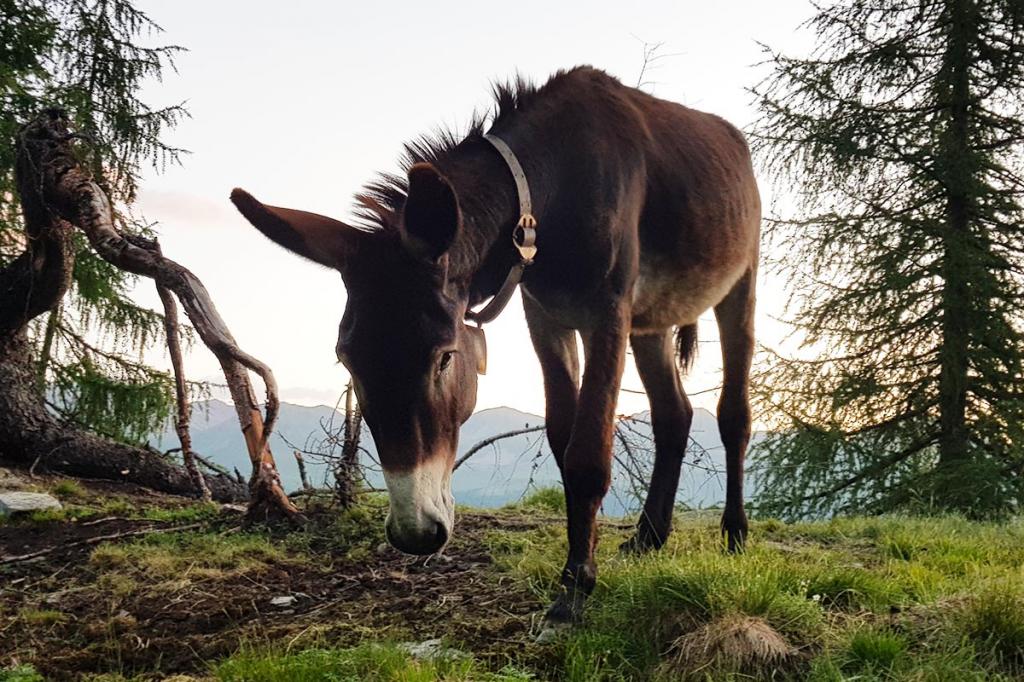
[422,511]
[422,541]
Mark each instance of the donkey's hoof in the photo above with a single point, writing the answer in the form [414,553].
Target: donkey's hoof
[567,609]
[636,546]
[552,632]
[645,539]
[734,530]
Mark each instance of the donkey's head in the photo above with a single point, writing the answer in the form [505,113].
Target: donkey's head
[413,360]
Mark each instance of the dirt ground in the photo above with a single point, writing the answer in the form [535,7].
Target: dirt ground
[63,614]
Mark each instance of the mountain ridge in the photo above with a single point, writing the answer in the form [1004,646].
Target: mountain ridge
[496,475]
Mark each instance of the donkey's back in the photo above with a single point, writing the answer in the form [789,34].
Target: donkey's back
[675,182]
[700,225]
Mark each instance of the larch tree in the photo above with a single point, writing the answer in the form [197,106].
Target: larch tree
[902,135]
[86,57]
[75,395]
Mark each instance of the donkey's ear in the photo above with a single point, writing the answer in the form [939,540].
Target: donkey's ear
[431,217]
[316,237]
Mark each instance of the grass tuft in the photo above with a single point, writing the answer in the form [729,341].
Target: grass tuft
[994,621]
[20,673]
[871,649]
[68,489]
[549,499]
[734,644]
[41,617]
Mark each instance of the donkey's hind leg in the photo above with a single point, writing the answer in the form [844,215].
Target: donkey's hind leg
[671,415]
[735,316]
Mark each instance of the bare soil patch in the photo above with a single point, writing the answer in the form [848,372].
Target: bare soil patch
[68,616]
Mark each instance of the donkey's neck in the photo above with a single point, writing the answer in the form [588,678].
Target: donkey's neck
[483,252]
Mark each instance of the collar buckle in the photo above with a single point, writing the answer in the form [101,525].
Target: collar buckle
[525,238]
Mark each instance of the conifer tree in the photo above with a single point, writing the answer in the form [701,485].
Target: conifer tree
[88,58]
[902,132]
[70,339]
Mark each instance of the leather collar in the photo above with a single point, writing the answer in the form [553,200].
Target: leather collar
[524,238]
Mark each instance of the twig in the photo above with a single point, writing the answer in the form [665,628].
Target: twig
[493,439]
[302,470]
[184,415]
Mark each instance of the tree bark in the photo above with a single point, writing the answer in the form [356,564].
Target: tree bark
[956,294]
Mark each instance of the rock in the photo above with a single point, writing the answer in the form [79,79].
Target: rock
[287,600]
[9,480]
[553,632]
[21,502]
[432,650]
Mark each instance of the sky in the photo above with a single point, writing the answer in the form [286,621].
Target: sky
[302,102]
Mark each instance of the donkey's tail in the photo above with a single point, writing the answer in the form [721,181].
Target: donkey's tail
[686,346]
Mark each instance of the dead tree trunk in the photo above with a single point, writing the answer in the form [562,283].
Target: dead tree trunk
[303,476]
[29,435]
[347,469]
[73,194]
[58,196]
[33,284]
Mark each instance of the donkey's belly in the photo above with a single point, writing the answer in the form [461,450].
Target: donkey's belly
[666,295]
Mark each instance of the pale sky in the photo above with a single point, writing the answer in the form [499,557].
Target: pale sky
[302,102]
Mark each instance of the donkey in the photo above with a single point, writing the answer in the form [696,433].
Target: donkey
[637,214]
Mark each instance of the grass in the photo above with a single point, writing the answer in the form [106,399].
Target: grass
[68,489]
[117,507]
[167,564]
[168,555]
[865,599]
[21,673]
[353,532]
[549,499]
[41,617]
[80,505]
[369,662]
[994,621]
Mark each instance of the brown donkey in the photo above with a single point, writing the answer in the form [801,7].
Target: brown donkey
[647,214]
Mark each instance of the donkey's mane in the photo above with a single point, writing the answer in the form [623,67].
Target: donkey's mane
[382,198]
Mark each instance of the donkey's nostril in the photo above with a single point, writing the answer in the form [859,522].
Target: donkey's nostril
[441,535]
[428,539]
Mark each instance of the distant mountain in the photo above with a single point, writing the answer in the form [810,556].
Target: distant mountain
[498,474]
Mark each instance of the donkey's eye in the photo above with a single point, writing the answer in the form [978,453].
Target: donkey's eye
[446,359]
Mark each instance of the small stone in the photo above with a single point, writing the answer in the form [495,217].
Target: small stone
[432,650]
[282,601]
[9,480]
[22,502]
[553,632]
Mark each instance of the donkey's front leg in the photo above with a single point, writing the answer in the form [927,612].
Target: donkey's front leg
[586,469]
